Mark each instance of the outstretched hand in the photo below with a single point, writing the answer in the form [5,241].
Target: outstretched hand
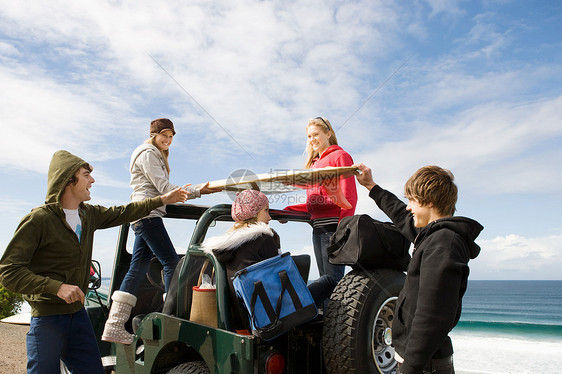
[205,190]
[179,195]
[364,176]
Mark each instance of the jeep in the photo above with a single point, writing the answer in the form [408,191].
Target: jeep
[352,335]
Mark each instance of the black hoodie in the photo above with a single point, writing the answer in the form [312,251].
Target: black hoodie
[430,303]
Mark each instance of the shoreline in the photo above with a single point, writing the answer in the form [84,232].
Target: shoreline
[474,352]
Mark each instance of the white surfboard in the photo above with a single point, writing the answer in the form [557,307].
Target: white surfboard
[279,181]
[301,178]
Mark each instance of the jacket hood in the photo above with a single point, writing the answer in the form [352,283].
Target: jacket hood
[61,169]
[140,149]
[467,228]
[331,149]
[231,240]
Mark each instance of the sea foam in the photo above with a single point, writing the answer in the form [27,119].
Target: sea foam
[487,353]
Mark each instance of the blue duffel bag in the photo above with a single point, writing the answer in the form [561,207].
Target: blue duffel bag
[275,296]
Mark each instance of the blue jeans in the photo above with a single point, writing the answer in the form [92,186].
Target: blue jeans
[321,289]
[66,337]
[151,239]
[321,241]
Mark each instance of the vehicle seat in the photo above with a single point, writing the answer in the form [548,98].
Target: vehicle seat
[155,274]
[171,301]
[303,265]
[150,296]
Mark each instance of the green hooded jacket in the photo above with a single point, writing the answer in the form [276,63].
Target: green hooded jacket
[45,252]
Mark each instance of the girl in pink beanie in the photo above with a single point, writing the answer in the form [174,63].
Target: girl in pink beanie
[250,206]
[251,240]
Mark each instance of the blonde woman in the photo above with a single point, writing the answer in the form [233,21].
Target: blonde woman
[150,176]
[323,150]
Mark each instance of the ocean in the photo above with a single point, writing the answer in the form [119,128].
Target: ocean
[510,327]
[507,327]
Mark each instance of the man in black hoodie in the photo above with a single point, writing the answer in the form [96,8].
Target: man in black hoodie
[430,303]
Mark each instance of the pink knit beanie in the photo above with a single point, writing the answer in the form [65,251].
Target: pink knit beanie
[248,203]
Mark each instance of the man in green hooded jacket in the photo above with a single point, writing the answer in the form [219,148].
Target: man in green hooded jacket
[48,261]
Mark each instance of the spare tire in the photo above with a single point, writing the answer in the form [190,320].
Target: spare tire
[193,367]
[357,332]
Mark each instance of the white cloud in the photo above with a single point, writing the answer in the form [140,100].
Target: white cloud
[446,7]
[12,205]
[497,148]
[485,37]
[517,257]
[7,50]
[48,115]
[88,77]
[250,64]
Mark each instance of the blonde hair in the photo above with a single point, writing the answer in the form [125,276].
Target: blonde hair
[326,127]
[243,224]
[165,153]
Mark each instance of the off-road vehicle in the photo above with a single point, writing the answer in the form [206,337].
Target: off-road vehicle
[352,335]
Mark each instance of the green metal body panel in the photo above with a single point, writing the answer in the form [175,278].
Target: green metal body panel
[167,341]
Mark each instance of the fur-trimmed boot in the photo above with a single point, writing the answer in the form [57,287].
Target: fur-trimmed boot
[114,330]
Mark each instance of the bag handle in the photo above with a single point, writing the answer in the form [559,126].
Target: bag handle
[203,268]
[259,291]
[287,286]
[273,315]
[340,242]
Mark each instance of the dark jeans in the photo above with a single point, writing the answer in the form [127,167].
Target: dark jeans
[151,239]
[66,337]
[440,366]
[321,241]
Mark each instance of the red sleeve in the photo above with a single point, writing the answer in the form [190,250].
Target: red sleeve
[297,208]
[347,185]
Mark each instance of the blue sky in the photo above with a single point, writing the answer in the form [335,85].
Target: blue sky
[474,86]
